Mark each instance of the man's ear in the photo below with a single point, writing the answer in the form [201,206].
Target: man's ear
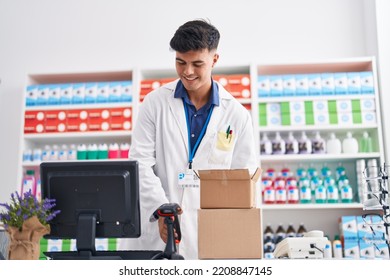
[215,58]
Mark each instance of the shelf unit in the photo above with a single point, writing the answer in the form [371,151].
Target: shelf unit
[316,216]
[37,140]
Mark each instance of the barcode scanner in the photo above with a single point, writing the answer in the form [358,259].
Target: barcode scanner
[170,212]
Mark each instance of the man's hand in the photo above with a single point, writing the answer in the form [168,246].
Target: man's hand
[163,228]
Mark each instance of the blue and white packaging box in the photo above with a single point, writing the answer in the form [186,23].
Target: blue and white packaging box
[327,83]
[78,93]
[348,227]
[378,227]
[114,91]
[340,83]
[297,107]
[321,118]
[273,108]
[367,82]
[263,86]
[367,249]
[65,93]
[315,84]
[274,120]
[369,117]
[320,106]
[351,249]
[276,85]
[381,251]
[344,105]
[103,92]
[364,230]
[353,82]
[91,93]
[301,85]
[367,104]
[31,95]
[42,95]
[127,91]
[288,85]
[54,94]
[345,118]
[297,119]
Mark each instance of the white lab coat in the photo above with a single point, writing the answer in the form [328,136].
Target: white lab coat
[160,144]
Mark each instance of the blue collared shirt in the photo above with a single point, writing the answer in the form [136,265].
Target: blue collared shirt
[197,118]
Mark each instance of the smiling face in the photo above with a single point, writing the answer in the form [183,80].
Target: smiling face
[194,70]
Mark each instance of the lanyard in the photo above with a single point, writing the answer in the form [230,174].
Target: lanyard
[192,151]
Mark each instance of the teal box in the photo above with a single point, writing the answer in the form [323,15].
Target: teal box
[263,86]
[367,82]
[353,82]
[42,95]
[348,227]
[126,91]
[115,89]
[340,83]
[301,85]
[54,94]
[276,85]
[91,92]
[288,85]
[78,93]
[103,92]
[315,84]
[351,249]
[65,93]
[327,83]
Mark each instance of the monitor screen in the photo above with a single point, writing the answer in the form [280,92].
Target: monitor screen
[97,199]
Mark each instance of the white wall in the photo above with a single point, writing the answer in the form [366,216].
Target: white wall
[383,35]
[49,36]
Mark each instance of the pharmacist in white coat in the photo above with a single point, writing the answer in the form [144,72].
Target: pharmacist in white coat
[190,124]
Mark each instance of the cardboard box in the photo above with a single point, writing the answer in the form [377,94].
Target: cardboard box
[228,188]
[229,234]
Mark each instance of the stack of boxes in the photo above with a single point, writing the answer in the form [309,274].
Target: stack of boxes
[149,85]
[78,120]
[78,93]
[364,238]
[318,112]
[315,84]
[229,225]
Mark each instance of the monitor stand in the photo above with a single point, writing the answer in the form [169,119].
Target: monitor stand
[85,238]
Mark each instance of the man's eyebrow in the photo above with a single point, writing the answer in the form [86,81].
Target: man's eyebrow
[196,61]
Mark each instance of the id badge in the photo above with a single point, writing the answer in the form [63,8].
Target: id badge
[188,179]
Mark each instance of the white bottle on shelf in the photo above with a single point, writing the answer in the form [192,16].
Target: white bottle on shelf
[318,144]
[333,145]
[350,144]
[291,144]
[278,145]
[304,144]
[265,145]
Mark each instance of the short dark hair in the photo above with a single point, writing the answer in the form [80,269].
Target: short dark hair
[195,35]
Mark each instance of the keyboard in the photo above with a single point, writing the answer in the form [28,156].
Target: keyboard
[104,255]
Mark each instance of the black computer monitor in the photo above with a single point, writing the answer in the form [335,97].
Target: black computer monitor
[97,199]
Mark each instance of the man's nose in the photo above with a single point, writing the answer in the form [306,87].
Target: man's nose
[188,70]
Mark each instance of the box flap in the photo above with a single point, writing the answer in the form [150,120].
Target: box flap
[256,175]
[224,174]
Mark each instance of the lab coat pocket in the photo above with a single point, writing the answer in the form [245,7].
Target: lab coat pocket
[221,154]
[225,141]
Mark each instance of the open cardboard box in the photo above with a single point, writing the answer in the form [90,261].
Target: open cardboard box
[228,188]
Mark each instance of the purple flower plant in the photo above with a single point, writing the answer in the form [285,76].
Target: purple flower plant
[26,206]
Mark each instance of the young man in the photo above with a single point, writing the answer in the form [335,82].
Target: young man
[190,124]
